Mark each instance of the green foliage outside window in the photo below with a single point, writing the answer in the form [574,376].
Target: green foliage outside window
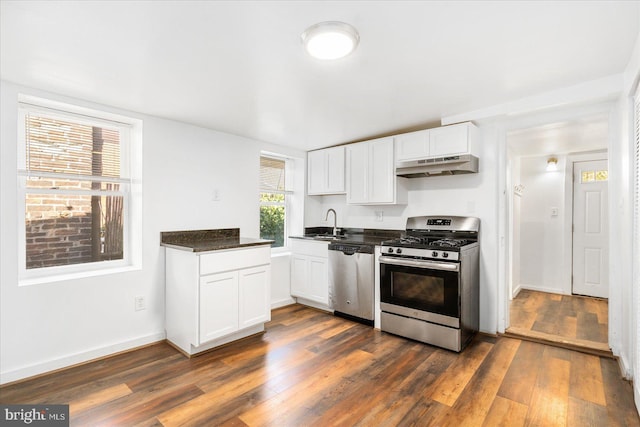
[272,218]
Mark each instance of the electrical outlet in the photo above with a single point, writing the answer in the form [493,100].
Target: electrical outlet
[140,303]
[379,216]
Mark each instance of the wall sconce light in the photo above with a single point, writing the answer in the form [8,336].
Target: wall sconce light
[552,164]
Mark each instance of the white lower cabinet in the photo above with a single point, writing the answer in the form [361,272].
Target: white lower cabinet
[218,305]
[217,297]
[310,272]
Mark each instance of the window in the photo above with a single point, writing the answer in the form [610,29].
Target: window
[75,183]
[274,199]
[594,176]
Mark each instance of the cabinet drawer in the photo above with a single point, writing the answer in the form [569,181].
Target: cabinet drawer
[234,259]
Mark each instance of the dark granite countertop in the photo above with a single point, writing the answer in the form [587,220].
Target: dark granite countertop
[208,240]
[349,235]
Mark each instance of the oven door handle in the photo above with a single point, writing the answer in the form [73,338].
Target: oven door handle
[449,266]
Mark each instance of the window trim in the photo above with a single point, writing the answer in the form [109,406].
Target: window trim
[131,170]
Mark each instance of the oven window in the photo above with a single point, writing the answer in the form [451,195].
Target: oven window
[425,289]
[422,289]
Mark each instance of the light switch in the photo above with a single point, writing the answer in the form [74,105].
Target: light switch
[554,211]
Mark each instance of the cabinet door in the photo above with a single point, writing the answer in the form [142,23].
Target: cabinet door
[298,275]
[316,173]
[325,171]
[254,294]
[413,145]
[318,280]
[449,140]
[357,172]
[335,170]
[382,171]
[218,305]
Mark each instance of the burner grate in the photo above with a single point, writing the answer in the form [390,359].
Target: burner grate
[450,243]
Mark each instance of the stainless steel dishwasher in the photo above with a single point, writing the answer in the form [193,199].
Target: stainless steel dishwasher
[351,281]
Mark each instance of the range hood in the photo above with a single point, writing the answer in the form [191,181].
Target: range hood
[450,165]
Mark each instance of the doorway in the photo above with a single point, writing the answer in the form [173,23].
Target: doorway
[590,228]
[542,302]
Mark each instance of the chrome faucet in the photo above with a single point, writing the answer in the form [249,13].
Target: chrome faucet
[335,221]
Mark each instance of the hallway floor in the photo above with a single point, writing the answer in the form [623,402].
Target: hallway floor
[567,320]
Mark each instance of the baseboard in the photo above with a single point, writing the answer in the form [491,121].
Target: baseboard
[515,292]
[636,395]
[625,367]
[77,358]
[543,289]
[282,303]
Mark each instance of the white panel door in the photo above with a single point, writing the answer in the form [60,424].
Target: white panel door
[218,305]
[382,173]
[316,176]
[299,265]
[449,140]
[413,145]
[335,170]
[358,173]
[590,229]
[318,280]
[254,285]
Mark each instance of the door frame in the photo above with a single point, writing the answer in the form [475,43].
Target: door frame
[568,219]
[500,130]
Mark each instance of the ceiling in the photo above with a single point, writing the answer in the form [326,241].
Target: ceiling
[589,132]
[239,66]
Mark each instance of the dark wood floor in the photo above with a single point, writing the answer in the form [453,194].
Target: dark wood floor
[576,320]
[313,369]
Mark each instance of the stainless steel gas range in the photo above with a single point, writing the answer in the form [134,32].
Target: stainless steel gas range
[429,281]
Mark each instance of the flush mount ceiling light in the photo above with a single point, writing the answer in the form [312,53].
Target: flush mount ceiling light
[552,164]
[330,40]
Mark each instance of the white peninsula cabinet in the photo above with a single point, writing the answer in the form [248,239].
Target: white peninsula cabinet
[325,171]
[216,297]
[371,174]
[452,140]
[310,272]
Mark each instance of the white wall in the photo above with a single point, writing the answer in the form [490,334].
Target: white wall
[48,326]
[542,240]
[465,195]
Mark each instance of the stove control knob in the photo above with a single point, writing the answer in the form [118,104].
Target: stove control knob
[398,251]
[390,250]
[445,254]
[434,254]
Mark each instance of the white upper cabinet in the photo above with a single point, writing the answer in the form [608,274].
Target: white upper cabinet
[449,140]
[326,171]
[358,173]
[412,145]
[371,178]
